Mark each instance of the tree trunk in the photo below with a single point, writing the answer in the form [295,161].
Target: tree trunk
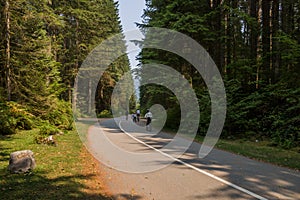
[227,60]
[259,44]
[275,46]
[7,50]
[76,67]
[288,20]
[228,41]
[217,27]
[253,31]
[266,64]
[90,98]
[254,36]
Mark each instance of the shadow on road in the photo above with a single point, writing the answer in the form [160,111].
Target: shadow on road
[261,178]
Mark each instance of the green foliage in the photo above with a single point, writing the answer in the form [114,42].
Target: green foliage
[14,116]
[104,114]
[48,41]
[47,129]
[173,118]
[7,121]
[259,62]
[22,116]
[59,114]
[205,111]
[267,113]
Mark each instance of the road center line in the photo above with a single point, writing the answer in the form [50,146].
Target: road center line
[195,168]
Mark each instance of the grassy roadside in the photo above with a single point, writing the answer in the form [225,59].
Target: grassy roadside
[260,150]
[66,171]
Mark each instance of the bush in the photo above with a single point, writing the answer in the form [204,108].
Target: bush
[7,124]
[47,129]
[14,116]
[24,122]
[271,112]
[59,114]
[104,114]
[173,119]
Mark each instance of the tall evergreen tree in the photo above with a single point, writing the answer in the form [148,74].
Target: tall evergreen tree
[43,44]
[256,47]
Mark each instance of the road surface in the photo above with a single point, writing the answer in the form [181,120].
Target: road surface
[220,175]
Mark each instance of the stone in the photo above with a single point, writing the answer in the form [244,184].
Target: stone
[48,140]
[21,161]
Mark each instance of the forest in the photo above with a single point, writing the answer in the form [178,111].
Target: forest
[43,44]
[256,47]
[254,43]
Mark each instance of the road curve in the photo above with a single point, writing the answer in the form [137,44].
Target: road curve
[220,175]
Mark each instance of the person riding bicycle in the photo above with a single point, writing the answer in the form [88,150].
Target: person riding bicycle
[138,114]
[148,117]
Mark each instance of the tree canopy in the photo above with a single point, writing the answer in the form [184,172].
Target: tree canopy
[43,43]
[256,46]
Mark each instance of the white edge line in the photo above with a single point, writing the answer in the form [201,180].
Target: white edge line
[195,168]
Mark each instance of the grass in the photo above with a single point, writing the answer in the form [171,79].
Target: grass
[65,171]
[68,171]
[262,151]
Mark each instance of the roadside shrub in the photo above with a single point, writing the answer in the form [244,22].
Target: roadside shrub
[7,123]
[285,128]
[14,116]
[47,129]
[173,119]
[104,114]
[270,113]
[59,114]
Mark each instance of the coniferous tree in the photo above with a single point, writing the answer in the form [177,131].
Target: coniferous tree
[256,47]
[43,44]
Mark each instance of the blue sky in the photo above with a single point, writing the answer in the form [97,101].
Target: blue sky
[130,11]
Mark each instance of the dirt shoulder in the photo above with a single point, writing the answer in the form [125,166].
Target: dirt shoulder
[96,183]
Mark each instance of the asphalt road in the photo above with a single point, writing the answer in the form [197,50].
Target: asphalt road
[138,166]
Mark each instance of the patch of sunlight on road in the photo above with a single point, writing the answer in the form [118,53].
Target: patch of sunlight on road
[280,196]
[282,183]
[219,170]
[252,179]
